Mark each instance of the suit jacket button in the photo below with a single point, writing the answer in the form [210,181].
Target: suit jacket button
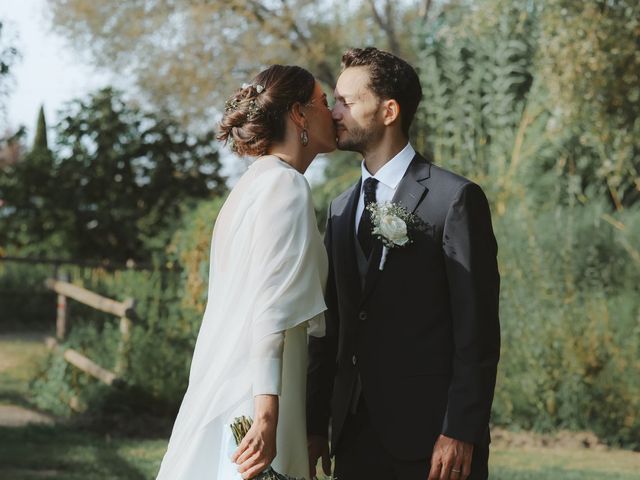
[354,359]
[362,315]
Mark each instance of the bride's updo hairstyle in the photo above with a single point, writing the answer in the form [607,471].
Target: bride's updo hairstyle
[254,116]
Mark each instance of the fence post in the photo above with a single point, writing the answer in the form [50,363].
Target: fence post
[122,362]
[61,311]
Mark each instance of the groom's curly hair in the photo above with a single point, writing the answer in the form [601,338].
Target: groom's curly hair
[390,77]
[254,116]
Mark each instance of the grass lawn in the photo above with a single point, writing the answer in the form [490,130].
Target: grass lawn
[64,452]
[552,463]
[61,453]
[19,357]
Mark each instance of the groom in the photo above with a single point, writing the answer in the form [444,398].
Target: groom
[406,372]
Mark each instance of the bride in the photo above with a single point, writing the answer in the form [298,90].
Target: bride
[267,274]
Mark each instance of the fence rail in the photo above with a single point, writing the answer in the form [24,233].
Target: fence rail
[82,295]
[124,310]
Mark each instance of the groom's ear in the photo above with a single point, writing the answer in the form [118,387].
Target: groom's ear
[390,111]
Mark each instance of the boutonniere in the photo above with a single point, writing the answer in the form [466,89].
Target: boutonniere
[391,224]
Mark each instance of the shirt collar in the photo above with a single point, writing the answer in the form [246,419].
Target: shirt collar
[392,172]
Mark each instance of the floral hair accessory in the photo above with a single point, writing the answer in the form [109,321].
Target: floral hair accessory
[253,109]
[259,88]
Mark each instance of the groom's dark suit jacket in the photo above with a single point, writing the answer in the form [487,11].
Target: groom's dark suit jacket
[423,334]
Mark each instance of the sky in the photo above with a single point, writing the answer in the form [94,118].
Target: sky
[49,73]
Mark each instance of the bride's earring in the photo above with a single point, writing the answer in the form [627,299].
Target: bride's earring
[304,137]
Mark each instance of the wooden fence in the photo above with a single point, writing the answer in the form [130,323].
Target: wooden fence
[123,310]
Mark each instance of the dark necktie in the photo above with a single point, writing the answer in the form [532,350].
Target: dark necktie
[365,226]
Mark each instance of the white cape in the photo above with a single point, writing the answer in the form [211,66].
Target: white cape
[267,274]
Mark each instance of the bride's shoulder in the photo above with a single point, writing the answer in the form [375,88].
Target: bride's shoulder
[274,174]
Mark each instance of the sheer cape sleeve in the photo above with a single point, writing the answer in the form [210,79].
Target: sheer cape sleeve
[266,277]
[287,279]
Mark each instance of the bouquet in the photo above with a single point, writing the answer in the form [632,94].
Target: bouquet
[240,427]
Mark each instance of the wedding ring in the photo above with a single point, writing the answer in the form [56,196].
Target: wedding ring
[453,470]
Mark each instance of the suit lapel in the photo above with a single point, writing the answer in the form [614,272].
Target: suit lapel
[411,189]
[410,192]
[344,224]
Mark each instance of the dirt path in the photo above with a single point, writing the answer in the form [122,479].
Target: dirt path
[19,353]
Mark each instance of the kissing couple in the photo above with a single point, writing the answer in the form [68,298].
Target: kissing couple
[377,346]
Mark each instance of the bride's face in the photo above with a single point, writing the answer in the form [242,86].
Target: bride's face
[322,132]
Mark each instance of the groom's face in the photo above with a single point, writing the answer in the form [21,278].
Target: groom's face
[356,113]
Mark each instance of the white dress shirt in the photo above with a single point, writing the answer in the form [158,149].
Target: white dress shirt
[388,177]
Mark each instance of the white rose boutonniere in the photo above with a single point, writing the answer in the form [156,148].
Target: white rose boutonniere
[391,224]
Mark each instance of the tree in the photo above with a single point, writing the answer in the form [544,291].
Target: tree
[591,68]
[8,56]
[188,56]
[10,148]
[40,141]
[480,115]
[114,189]
[516,90]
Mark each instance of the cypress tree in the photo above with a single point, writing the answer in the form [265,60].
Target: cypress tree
[40,142]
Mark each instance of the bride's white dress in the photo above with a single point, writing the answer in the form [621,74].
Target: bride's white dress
[267,273]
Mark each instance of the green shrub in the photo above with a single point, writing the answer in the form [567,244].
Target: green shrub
[25,303]
[570,322]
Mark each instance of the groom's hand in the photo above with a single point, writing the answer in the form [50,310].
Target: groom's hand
[318,446]
[451,459]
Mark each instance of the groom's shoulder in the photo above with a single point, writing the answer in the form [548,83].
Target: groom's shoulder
[446,179]
[442,174]
[447,187]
